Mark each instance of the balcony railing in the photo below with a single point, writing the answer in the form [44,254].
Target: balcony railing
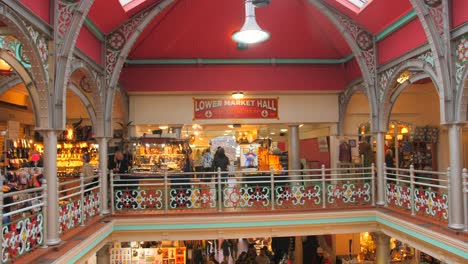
[419,192]
[247,191]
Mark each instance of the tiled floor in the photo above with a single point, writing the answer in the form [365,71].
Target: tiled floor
[74,237]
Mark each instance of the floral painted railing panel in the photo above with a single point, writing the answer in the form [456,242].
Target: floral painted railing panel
[289,192]
[21,236]
[91,207]
[69,215]
[422,193]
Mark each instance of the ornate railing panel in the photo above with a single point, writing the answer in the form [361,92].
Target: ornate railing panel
[69,215]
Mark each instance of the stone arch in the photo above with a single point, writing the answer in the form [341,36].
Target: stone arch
[36,80]
[392,90]
[461,106]
[344,99]
[22,76]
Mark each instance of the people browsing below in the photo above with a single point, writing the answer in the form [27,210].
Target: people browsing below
[262,258]
[87,170]
[119,164]
[207,163]
[221,161]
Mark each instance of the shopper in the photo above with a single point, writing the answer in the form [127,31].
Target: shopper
[207,163]
[87,171]
[221,161]
[121,165]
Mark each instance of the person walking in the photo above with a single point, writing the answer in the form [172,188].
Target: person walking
[207,163]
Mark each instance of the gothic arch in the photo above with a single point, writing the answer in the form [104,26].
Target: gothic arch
[88,90]
[344,98]
[24,77]
[35,79]
[116,54]
[434,17]
[69,20]
[368,71]
[392,90]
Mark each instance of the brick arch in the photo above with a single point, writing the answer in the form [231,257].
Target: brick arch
[392,90]
[344,99]
[35,79]
[23,76]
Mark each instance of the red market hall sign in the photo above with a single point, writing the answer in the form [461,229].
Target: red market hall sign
[259,108]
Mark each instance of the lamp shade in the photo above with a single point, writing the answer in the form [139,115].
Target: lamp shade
[237,95]
[250,32]
[5,68]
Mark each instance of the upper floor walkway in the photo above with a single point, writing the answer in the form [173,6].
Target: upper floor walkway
[190,206]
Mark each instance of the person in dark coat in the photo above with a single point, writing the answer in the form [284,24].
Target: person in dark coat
[221,161]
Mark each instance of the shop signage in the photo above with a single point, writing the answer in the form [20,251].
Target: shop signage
[261,108]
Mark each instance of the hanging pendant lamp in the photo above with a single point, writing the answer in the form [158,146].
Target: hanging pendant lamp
[250,32]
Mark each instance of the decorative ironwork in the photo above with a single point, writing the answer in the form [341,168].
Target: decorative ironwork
[431,203]
[246,197]
[348,194]
[91,206]
[461,57]
[365,42]
[398,196]
[69,215]
[427,57]
[22,236]
[436,9]
[384,81]
[116,41]
[66,10]
[139,199]
[298,195]
[14,46]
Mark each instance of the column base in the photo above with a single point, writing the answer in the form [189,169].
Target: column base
[53,242]
[380,203]
[105,212]
[456,226]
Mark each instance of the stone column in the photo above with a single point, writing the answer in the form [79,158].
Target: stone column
[50,172]
[456,206]
[334,147]
[103,255]
[380,170]
[103,160]
[383,248]
[298,250]
[294,161]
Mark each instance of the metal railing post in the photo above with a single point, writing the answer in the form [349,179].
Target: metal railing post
[82,199]
[1,213]
[465,191]
[220,199]
[373,183]
[44,212]
[323,187]
[166,193]
[411,169]
[272,186]
[385,183]
[112,192]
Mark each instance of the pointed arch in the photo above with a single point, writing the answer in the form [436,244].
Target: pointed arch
[86,102]
[70,17]
[420,69]
[344,98]
[364,50]
[24,77]
[118,46]
[35,79]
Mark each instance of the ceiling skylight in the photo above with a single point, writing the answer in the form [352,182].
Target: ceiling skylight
[358,3]
[124,2]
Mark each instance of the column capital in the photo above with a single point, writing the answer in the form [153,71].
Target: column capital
[449,124]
